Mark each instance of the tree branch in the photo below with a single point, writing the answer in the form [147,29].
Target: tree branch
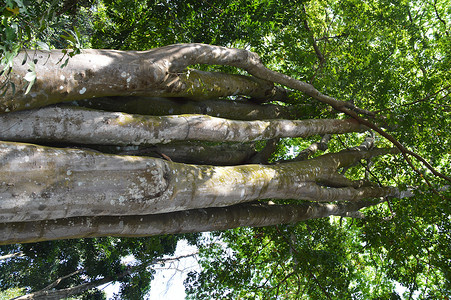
[198,220]
[315,45]
[56,124]
[223,108]
[12,255]
[313,148]
[56,282]
[416,101]
[439,18]
[405,152]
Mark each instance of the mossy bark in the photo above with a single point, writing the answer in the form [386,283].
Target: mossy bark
[83,126]
[221,108]
[198,220]
[42,183]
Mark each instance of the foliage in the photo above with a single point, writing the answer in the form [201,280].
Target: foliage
[39,25]
[87,260]
[11,293]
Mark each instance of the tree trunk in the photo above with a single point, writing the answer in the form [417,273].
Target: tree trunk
[40,183]
[228,109]
[158,72]
[198,220]
[82,126]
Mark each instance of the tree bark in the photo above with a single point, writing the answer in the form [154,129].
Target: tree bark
[158,72]
[41,183]
[221,108]
[227,154]
[198,220]
[83,126]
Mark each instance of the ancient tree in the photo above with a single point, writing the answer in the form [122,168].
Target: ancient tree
[60,180]
[46,184]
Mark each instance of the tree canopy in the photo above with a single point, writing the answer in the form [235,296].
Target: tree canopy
[348,99]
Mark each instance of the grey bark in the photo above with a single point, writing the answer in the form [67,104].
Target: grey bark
[190,152]
[221,108]
[159,72]
[101,73]
[85,126]
[198,220]
[40,183]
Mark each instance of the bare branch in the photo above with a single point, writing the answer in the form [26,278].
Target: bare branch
[114,128]
[12,255]
[56,282]
[209,219]
[313,148]
[405,152]
[416,101]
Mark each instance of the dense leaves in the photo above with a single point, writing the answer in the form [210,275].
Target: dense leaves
[86,260]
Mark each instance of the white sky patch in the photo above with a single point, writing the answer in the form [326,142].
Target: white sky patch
[167,283]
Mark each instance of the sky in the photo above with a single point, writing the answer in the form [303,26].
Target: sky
[168,280]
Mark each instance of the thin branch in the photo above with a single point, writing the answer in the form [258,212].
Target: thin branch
[439,18]
[309,270]
[315,45]
[405,152]
[310,150]
[313,148]
[63,293]
[12,255]
[414,102]
[56,282]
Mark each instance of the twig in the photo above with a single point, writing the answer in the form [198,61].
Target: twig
[310,271]
[404,151]
[416,101]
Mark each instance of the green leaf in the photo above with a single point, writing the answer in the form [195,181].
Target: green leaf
[43,46]
[30,76]
[65,63]
[30,84]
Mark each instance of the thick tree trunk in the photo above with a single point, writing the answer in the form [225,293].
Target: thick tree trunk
[227,109]
[82,126]
[191,152]
[158,72]
[39,183]
[199,220]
